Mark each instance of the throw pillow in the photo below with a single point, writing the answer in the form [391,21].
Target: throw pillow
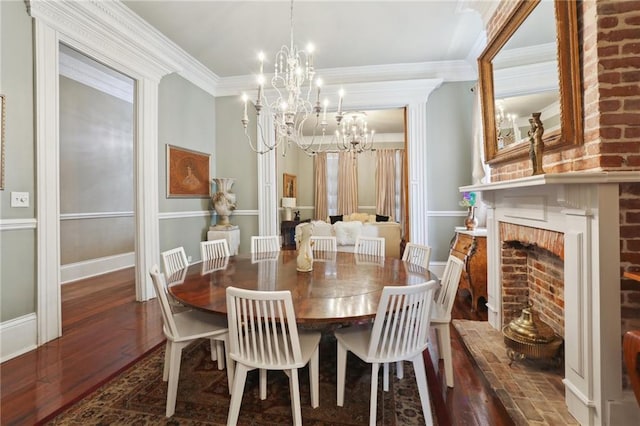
[347,232]
[335,219]
[381,218]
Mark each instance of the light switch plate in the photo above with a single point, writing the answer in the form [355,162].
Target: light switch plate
[19,199]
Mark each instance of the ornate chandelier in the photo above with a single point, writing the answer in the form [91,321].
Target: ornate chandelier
[353,134]
[292,81]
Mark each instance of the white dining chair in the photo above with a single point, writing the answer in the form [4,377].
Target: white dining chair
[174,260]
[181,329]
[324,243]
[417,254]
[265,244]
[214,249]
[400,332]
[374,246]
[441,316]
[263,335]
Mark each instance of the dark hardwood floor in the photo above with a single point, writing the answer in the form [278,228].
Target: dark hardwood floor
[105,330]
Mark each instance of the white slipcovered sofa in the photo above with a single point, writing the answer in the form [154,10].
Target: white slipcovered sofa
[347,230]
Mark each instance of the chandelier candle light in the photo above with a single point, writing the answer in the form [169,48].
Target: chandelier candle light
[292,81]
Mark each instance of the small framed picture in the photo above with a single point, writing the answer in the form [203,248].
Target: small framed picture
[187,173]
[290,188]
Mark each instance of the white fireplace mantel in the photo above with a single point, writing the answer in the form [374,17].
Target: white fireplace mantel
[584,207]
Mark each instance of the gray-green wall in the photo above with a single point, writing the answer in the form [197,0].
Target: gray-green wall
[186,118]
[448,162]
[96,172]
[17,247]
[235,159]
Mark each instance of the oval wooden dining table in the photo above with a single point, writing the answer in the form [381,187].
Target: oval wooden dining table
[341,288]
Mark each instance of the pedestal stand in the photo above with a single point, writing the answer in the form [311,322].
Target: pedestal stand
[230,233]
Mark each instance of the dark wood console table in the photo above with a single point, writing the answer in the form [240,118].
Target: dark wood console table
[288,232]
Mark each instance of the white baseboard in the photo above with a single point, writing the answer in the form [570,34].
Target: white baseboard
[18,336]
[91,268]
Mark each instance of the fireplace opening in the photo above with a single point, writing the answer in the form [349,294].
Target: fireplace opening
[532,292]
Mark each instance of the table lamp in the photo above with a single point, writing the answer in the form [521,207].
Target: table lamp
[288,203]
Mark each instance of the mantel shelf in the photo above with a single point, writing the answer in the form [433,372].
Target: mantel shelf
[557,179]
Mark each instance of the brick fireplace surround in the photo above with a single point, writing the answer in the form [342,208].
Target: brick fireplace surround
[590,193]
[579,213]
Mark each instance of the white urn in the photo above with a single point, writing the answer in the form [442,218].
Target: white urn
[224,201]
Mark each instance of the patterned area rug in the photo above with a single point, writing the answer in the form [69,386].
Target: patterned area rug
[138,395]
[531,391]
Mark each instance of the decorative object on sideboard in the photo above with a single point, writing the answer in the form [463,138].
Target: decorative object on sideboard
[536,145]
[305,253]
[292,82]
[288,203]
[469,201]
[224,202]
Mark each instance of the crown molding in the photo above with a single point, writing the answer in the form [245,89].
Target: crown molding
[94,77]
[384,74]
[526,79]
[110,26]
[484,8]
[546,52]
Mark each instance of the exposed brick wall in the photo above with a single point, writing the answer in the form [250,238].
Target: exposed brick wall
[630,254]
[532,274]
[609,38]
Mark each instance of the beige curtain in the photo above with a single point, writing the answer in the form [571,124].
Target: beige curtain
[386,182]
[347,183]
[322,210]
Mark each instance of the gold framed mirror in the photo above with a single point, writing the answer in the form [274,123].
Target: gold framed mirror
[532,64]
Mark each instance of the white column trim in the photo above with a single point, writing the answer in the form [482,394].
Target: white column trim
[267,179]
[147,227]
[81,25]
[48,304]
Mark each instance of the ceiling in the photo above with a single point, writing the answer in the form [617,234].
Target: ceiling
[226,36]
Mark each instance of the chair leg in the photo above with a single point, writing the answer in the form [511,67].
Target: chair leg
[263,384]
[421,379]
[385,377]
[174,375]
[220,354]
[239,379]
[314,374]
[214,351]
[375,367]
[444,338]
[294,390]
[167,357]
[230,364]
[342,370]
[399,370]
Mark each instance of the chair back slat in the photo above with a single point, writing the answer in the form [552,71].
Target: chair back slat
[449,286]
[265,244]
[159,284]
[417,254]
[262,328]
[212,265]
[374,246]
[174,260]
[324,243]
[401,326]
[214,249]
